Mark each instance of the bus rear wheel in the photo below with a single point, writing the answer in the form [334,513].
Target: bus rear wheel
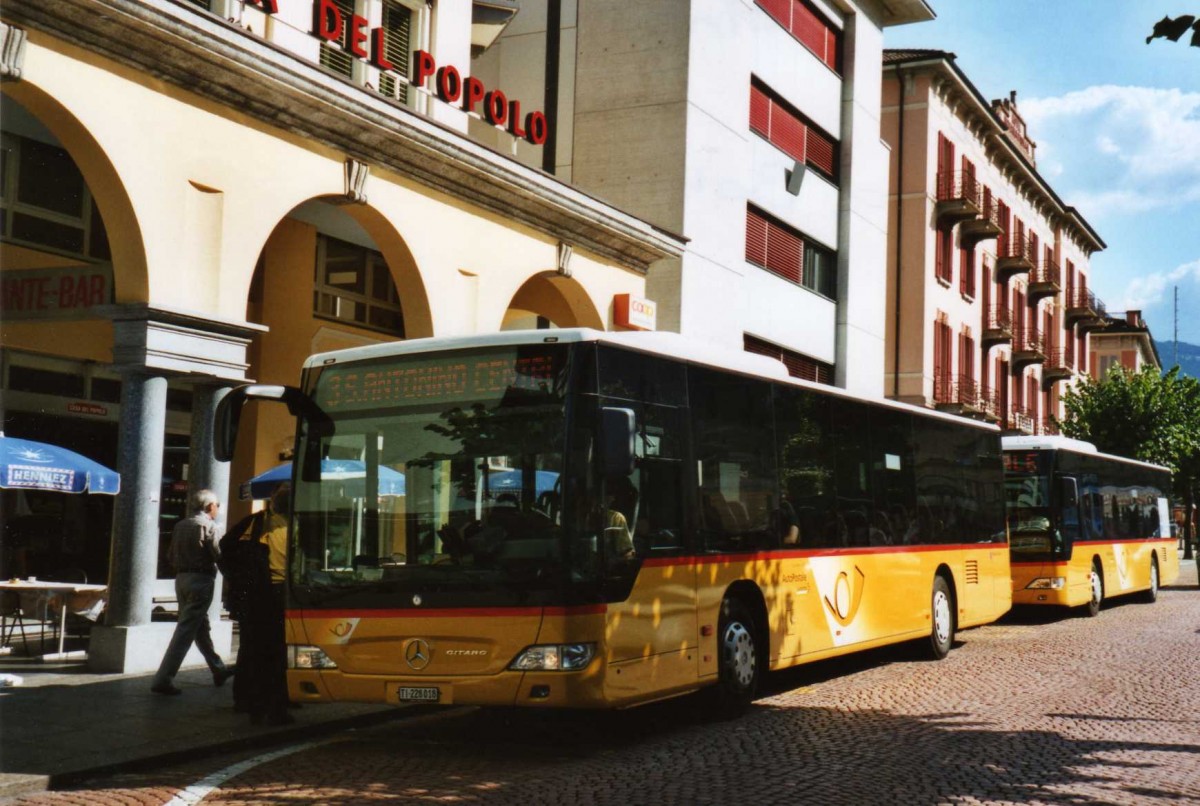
[1151,595]
[941,632]
[739,670]
[1096,581]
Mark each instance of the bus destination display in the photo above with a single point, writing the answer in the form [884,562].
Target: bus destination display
[452,379]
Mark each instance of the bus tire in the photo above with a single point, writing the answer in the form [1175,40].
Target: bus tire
[739,670]
[1096,583]
[1151,595]
[941,617]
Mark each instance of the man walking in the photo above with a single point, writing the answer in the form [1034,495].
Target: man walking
[193,555]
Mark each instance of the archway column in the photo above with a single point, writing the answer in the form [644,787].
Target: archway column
[150,344]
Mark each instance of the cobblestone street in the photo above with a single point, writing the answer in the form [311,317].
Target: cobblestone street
[1036,709]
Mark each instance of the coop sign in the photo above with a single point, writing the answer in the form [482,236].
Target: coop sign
[353,34]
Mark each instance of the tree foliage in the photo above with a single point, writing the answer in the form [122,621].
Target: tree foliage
[1144,415]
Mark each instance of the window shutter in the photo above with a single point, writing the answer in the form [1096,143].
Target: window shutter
[780,10]
[756,238]
[784,252]
[760,111]
[787,132]
[820,151]
[334,58]
[397,24]
[809,29]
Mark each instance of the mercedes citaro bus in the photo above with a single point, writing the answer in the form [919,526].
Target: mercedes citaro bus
[1085,525]
[586,519]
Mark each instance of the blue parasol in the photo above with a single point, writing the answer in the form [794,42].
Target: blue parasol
[264,484]
[511,479]
[29,465]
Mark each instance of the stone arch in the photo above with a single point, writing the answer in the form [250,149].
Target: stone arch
[126,243]
[562,300]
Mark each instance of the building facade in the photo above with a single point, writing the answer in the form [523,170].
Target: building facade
[1124,342]
[200,193]
[751,128]
[988,307]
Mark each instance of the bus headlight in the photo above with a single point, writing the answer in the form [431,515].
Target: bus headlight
[1047,583]
[554,658]
[308,657]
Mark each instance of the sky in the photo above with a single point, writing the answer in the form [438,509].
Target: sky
[1117,127]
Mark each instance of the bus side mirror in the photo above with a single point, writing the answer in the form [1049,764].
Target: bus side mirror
[229,412]
[617,431]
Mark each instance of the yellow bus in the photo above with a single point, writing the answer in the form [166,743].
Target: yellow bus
[585,519]
[1085,525]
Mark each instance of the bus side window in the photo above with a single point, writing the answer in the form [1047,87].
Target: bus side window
[1068,492]
[735,449]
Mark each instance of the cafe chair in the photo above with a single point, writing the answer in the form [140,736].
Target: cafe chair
[11,617]
[82,625]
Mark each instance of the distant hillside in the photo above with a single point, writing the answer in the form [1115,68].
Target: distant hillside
[1189,356]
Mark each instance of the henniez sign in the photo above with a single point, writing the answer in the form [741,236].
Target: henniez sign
[369,44]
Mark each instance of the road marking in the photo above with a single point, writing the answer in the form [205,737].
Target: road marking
[205,786]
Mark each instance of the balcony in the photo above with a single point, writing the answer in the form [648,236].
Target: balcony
[1020,420]
[1085,311]
[989,404]
[1047,427]
[1045,280]
[997,325]
[1013,256]
[958,198]
[1029,347]
[1056,368]
[957,395]
[973,230]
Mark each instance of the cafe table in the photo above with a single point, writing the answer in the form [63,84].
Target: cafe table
[76,597]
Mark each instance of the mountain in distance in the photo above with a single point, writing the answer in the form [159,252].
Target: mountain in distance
[1189,357]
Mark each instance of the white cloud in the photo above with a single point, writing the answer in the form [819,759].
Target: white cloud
[1119,150]
[1145,292]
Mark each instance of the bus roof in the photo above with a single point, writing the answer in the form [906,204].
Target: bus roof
[1054,443]
[658,342]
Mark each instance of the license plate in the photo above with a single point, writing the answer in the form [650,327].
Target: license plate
[417,694]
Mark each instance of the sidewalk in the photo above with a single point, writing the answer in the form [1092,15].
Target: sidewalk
[64,723]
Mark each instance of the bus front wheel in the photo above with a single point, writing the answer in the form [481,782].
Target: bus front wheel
[1096,581]
[739,670]
[1152,594]
[941,633]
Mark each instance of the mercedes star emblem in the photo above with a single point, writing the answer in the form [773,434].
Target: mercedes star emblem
[418,653]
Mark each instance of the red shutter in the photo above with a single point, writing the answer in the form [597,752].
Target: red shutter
[756,238]
[784,252]
[760,111]
[779,9]
[831,48]
[809,29]
[820,151]
[787,132]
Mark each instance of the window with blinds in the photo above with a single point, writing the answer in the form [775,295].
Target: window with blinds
[45,202]
[335,57]
[809,27]
[353,285]
[789,131]
[787,252]
[397,26]
[798,365]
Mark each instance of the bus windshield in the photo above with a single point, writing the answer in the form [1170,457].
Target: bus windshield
[435,476]
[1027,500]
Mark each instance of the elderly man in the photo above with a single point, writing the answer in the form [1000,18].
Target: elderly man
[193,555]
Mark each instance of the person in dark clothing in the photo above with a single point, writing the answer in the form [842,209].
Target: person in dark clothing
[256,567]
[193,554]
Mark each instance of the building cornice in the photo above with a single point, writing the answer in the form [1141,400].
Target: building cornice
[181,44]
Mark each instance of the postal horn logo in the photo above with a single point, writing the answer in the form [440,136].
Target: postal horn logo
[847,596]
